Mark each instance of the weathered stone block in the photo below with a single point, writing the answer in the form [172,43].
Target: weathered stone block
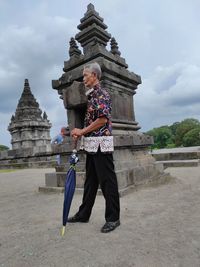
[122,178]
[140,175]
[4,154]
[74,96]
[51,180]
[80,179]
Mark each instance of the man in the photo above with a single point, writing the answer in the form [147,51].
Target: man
[98,143]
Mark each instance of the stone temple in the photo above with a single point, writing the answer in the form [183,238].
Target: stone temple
[30,135]
[28,127]
[133,163]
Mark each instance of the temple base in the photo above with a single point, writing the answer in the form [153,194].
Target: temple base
[134,165]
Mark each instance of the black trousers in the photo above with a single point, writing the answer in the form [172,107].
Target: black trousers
[100,170]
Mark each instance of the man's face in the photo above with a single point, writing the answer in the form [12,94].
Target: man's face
[89,78]
[63,132]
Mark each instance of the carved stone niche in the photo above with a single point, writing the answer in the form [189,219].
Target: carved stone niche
[75,101]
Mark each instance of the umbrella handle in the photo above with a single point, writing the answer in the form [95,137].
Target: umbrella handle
[75,146]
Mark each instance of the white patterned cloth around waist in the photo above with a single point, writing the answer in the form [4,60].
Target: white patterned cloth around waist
[91,144]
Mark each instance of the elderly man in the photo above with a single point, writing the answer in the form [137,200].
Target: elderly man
[98,144]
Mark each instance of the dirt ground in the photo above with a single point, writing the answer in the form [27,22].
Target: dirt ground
[160,225]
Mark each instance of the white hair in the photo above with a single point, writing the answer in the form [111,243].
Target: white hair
[95,68]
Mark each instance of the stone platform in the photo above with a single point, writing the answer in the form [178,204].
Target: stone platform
[30,157]
[178,157]
[134,165]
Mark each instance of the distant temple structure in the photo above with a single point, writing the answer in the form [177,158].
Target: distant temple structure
[30,132]
[28,127]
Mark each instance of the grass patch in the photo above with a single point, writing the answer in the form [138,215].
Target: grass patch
[8,170]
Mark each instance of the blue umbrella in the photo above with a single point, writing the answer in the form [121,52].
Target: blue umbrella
[70,184]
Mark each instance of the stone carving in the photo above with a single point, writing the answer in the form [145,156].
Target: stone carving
[73,49]
[45,116]
[114,47]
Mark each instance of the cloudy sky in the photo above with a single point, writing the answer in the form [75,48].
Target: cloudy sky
[159,39]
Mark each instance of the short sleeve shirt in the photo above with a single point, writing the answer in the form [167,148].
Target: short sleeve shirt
[58,139]
[99,105]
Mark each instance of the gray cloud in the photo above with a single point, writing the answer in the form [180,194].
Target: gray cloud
[174,102]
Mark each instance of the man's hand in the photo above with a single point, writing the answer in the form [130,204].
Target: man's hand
[76,133]
[99,122]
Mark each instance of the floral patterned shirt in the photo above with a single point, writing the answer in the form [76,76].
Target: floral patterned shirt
[99,105]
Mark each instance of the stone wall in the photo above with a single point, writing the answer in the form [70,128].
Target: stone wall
[37,156]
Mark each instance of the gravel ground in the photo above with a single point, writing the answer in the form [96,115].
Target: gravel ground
[159,225]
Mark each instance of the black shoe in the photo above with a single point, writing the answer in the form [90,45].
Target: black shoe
[76,219]
[110,226]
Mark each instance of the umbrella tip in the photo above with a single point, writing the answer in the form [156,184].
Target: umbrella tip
[63,231]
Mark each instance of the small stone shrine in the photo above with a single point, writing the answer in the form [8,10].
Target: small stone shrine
[133,163]
[28,127]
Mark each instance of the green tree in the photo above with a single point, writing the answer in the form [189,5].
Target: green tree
[192,138]
[184,127]
[173,129]
[162,136]
[2,147]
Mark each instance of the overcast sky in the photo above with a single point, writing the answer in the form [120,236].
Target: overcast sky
[159,39]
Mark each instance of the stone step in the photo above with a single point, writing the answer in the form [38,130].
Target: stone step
[28,164]
[162,179]
[176,156]
[49,189]
[127,179]
[181,153]
[180,163]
